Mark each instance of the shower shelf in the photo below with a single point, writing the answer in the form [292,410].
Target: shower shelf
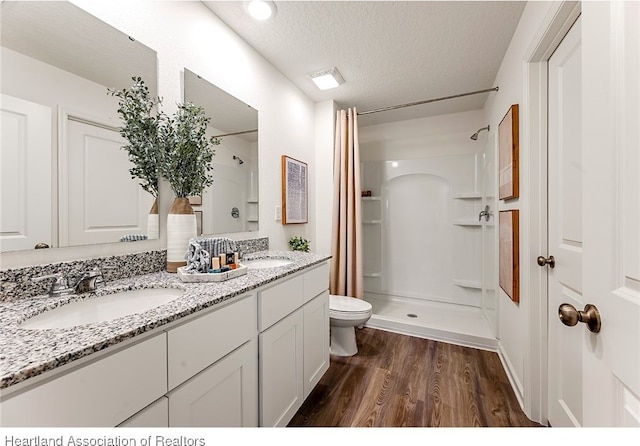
[475,284]
[469,196]
[375,198]
[371,274]
[371,222]
[467,223]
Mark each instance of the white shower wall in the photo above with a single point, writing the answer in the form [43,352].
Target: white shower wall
[422,239]
[428,259]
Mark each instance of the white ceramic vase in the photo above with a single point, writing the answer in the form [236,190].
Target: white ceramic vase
[181,227]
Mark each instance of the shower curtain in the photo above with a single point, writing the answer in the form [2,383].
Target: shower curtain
[346,236]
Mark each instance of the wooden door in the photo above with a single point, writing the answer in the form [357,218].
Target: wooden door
[565,228]
[25,163]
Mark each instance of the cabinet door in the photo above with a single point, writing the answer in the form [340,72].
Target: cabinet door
[316,341]
[223,395]
[281,370]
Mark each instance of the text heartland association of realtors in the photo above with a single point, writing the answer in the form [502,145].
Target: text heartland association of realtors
[70,440]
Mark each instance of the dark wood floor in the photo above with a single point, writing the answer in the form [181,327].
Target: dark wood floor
[398,381]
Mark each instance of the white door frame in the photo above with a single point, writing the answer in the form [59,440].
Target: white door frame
[555,26]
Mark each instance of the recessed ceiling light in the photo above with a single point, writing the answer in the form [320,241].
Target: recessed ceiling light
[261,9]
[326,79]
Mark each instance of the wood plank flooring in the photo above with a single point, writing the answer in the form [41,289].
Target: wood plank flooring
[401,381]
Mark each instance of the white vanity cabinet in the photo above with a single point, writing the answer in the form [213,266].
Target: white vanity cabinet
[213,368]
[249,361]
[99,393]
[293,319]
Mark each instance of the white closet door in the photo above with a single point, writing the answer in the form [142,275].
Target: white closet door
[99,201]
[25,163]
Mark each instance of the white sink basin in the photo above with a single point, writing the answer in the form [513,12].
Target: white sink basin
[266,263]
[103,308]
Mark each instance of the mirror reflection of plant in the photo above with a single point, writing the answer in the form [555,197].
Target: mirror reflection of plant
[141,120]
[186,153]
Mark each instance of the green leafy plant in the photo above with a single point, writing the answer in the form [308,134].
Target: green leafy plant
[186,155]
[141,120]
[299,244]
[173,147]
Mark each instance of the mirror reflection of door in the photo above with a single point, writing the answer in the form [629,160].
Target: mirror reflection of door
[100,202]
[25,160]
[67,63]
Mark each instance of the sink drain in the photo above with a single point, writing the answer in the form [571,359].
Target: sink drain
[412,315]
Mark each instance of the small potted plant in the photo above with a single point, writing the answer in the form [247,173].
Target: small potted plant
[299,244]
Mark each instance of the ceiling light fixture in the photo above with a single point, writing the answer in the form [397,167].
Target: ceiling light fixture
[261,9]
[328,78]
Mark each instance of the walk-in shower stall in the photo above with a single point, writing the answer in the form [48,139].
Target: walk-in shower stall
[429,246]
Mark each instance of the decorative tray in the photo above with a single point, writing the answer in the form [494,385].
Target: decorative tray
[211,277]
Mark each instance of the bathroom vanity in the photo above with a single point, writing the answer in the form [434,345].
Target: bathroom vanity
[245,352]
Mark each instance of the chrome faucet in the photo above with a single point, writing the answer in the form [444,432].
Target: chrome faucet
[486,214]
[88,281]
[63,286]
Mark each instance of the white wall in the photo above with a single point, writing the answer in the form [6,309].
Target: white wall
[325,130]
[514,331]
[188,35]
[422,138]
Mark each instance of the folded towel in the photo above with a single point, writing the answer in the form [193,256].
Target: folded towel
[133,237]
[198,259]
[216,245]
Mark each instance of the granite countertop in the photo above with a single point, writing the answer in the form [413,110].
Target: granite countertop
[26,353]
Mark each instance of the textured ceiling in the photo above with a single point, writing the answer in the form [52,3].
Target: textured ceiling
[389,52]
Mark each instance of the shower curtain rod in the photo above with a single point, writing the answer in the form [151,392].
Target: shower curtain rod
[393,107]
[236,133]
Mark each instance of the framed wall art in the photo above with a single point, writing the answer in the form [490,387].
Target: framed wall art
[508,148]
[509,254]
[294,191]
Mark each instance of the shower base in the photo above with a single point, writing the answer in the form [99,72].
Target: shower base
[455,324]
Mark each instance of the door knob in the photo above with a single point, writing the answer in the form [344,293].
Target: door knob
[542,261]
[570,316]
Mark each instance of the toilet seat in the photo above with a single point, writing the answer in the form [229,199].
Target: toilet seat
[348,304]
[345,307]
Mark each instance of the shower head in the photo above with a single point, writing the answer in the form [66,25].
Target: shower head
[475,135]
[238,159]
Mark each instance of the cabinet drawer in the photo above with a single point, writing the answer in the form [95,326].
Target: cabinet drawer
[100,394]
[195,345]
[316,281]
[276,302]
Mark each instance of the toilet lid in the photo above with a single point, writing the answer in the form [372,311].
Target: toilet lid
[348,304]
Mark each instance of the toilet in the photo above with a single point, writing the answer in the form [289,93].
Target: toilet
[346,313]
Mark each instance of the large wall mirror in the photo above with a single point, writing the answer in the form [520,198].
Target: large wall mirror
[65,177]
[231,204]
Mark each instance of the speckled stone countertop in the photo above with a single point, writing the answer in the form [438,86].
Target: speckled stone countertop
[27,353]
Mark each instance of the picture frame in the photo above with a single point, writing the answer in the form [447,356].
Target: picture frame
[509,254]
[508,154]
[198,222]
[195,200]
[295,178]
